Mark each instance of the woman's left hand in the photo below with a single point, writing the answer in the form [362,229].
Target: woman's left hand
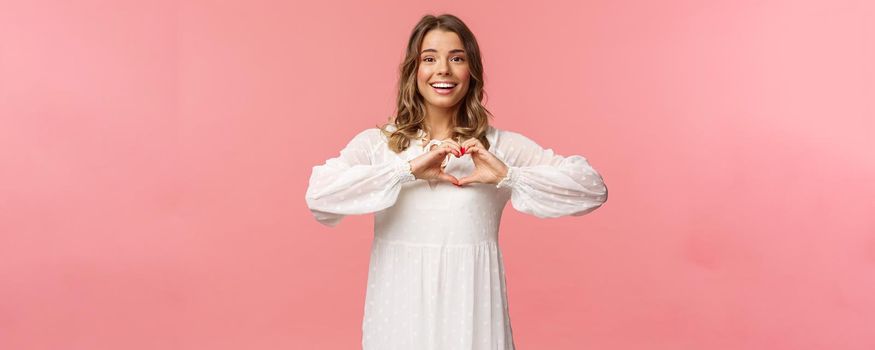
[487,168]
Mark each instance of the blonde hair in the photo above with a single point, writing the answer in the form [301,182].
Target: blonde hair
[472,119]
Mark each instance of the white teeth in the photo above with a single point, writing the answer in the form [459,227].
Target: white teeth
[443,85]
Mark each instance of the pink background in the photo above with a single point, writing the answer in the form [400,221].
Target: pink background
[154,158]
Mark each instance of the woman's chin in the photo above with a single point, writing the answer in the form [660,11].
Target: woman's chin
[443,102]
[443,106]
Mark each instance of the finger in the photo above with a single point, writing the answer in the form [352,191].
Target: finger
[468,180]
[437,153]
[468,143]
[456,150]
[481,153]
[435,156]
[454,145]
[449,178]
[447,148]
[472,142]
[443,150]
[474,150]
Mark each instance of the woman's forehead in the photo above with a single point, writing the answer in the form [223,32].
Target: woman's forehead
[441,41]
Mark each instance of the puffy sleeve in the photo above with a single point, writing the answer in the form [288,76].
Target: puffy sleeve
[546,184]
[357,181]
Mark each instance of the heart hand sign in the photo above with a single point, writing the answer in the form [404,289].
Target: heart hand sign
[430,165]
[487,168]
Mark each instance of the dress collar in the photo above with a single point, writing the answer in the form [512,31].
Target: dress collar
[420,139]
[491,135]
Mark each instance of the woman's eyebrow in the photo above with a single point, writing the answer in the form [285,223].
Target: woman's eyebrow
[451,51]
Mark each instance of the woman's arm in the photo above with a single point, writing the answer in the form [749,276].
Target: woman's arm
[354,183]
[546,184]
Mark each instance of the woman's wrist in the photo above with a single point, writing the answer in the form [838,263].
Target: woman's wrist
[412,172]
[508,179]
[503,174]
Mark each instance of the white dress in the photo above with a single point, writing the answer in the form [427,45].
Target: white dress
[436,278]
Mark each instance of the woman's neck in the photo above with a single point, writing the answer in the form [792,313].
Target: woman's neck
[439,123]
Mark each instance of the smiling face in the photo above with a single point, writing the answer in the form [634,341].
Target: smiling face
[442,58]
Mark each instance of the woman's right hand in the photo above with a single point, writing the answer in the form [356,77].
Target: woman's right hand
[428,166]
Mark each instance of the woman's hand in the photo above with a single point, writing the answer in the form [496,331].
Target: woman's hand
[487,168]
[429,165]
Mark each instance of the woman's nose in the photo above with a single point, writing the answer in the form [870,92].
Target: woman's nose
[443,68]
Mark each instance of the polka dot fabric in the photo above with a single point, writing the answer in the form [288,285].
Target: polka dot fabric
[436,276]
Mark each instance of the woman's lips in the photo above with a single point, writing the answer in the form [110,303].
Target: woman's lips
[444,91]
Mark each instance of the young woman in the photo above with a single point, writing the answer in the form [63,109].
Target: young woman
[438,177]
